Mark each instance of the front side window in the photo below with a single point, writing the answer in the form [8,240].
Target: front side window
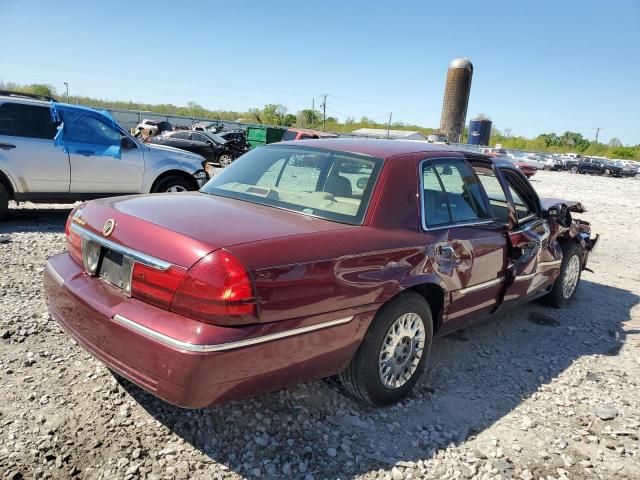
[522,195]
[31,121]
[83,128]
[322,183]
[196,137]
[497,198]
[451,193]
[181,136]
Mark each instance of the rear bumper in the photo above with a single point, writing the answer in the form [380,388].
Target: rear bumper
[189,363]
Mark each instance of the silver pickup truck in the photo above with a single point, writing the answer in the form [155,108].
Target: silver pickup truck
[58,153]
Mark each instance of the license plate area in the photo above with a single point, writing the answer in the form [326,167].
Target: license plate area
[116,269]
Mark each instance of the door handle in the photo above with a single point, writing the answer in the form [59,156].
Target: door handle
[7,146]
[444,251]
[86,153]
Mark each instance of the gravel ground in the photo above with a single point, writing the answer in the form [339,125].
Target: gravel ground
[535,393]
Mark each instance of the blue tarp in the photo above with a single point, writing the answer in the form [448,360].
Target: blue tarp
[85,131]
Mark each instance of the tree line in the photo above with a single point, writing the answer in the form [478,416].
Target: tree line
[277,114]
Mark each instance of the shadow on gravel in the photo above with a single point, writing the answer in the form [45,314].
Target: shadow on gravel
[34,220]
[475,378]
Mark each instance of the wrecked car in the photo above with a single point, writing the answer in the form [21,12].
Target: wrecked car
[324,270]
[58,153]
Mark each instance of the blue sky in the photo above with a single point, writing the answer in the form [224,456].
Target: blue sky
[547,66]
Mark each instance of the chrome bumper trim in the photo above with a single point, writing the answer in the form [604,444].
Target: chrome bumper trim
[549,263]
[116,247]
[480,286]
[55,275]
[199,348]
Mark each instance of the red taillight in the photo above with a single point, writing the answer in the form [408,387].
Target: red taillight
[155,286]
[215,287]
[74,241]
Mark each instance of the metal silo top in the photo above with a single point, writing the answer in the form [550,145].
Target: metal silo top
[461,62]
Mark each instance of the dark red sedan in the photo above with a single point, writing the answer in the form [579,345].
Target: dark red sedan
[308,259]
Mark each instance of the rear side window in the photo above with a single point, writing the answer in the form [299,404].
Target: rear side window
[289,135]
[32,121]
[181,136]
[451,194]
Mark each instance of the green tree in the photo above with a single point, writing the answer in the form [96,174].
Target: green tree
[308,118]
[290,119]
[623,152]
[615,142]
[41,89]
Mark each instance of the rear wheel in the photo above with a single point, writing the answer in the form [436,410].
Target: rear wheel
[567,282]
[574,169]
[173,183]
[4,202]
[393,353]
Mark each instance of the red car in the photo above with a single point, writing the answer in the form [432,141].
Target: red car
[288,267]
[528,170]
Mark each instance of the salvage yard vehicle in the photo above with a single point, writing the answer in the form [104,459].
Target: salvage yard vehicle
[599,167]
[321,272]
[58,153]
[213,147]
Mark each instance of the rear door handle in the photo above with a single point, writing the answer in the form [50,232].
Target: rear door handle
[7,146]
[86,153]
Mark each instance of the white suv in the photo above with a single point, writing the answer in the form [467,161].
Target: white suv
[59,153]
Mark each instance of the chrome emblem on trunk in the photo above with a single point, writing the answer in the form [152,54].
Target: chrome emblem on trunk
[108,227]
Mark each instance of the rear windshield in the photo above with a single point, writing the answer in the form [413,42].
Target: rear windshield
[322,183]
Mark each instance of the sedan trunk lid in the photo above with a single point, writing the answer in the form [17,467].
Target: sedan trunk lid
[182,228]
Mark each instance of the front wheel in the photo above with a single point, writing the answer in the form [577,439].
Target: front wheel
[574,169]
[225,159]
[4,202]
[173,184]
[565,286]
[393,353]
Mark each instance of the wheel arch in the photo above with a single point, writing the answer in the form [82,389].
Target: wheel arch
[5,181]
[434,296]
[177,173]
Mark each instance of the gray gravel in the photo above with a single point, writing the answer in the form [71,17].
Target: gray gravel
[535,393]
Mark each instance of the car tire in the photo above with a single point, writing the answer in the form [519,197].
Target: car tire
[566,285]
[173,183]
[225,160]
[573,169]
[402,331]
[4,202]
[606,172]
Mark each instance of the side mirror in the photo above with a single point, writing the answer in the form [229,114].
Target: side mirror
[362,182]
[560,213]
[127,144]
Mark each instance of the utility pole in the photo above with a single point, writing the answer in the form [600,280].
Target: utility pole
[67,85]
[324,111]
[389,125]
[597,129]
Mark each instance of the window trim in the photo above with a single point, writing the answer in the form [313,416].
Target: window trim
[519,180]
[452,224]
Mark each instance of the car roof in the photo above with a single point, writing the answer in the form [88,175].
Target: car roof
[381,148]
[47,103]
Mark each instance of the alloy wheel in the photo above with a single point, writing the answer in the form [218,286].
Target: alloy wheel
[401,350]
[176,188]
[225,160]
[571,276]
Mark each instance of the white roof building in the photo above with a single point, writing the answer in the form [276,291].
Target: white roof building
[394,134]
